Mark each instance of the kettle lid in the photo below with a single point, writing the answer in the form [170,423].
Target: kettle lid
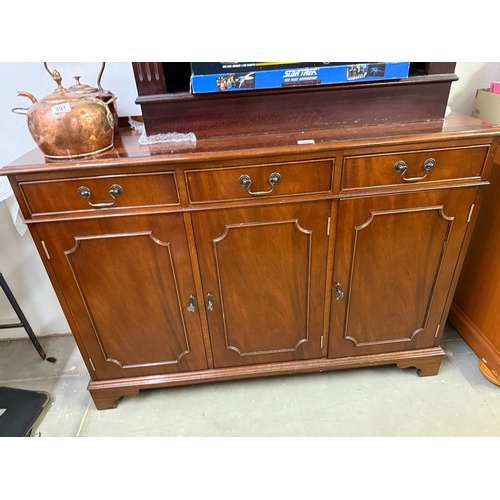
[60,94]
[82,88]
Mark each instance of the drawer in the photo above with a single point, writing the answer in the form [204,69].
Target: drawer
[413,167]
[257,182]
[100,193]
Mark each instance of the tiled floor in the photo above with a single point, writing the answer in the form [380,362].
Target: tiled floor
[380,401]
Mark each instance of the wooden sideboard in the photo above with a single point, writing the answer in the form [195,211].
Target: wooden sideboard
[257,255]
[475,311]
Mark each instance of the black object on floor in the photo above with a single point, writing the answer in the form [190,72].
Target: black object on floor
[22,318]
[22,408]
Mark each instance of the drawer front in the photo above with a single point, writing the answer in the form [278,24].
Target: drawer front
[100,193]
[413,167]
[257,182]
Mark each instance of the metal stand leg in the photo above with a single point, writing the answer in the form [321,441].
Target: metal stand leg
[24,322]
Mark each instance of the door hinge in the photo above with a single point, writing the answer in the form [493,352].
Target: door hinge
[328,226]
[46,251]
[470,213]
[321,343]
[92,363]
[437,330]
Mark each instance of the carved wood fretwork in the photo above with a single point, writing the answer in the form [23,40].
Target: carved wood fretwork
[150,78]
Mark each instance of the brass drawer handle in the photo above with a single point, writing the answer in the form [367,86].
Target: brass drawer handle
[114,191]
[246,182]
[400,167]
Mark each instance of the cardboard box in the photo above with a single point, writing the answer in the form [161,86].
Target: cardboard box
[293,76]
[487,106]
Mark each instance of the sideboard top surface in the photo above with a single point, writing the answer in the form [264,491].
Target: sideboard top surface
[128,150]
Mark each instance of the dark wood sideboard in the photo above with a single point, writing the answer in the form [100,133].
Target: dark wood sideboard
[190,276]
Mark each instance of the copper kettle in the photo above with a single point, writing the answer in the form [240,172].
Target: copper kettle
[67,124]
[105,95]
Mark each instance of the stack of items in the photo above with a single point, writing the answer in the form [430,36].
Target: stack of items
[487,105]
[234,76]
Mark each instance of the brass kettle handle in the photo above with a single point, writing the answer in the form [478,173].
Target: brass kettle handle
[246,182]
[47,68]
[114,191]
[55,75]
[100,76]
[400,167]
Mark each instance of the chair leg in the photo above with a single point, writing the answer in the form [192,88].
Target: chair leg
[21,316]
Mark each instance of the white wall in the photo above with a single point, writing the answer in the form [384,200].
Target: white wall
[472,76]
[19,260]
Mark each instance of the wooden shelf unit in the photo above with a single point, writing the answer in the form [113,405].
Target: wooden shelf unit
[168,106]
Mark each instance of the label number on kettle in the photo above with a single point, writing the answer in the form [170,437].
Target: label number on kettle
[64,107]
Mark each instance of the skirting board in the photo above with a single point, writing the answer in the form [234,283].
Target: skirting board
[24,336]
[476,339]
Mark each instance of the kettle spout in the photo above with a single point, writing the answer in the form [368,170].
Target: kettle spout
[30,96]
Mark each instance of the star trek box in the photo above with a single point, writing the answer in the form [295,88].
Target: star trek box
[213,68]
[279,75]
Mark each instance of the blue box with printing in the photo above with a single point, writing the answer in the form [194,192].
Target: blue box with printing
[327,73]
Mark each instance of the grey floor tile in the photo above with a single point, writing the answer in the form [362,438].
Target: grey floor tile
[449,333]
[468,367]
[456,347]
[255,407]
[378,401]
[19,360]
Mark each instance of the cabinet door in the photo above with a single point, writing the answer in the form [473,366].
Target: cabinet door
[265,269]
[394,261]
[126,283]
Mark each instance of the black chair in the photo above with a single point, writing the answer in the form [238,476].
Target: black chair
[19,410]
[22,318]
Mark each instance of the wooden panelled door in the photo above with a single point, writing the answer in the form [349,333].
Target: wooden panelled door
[127,282]
[394,259]
[263,273]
